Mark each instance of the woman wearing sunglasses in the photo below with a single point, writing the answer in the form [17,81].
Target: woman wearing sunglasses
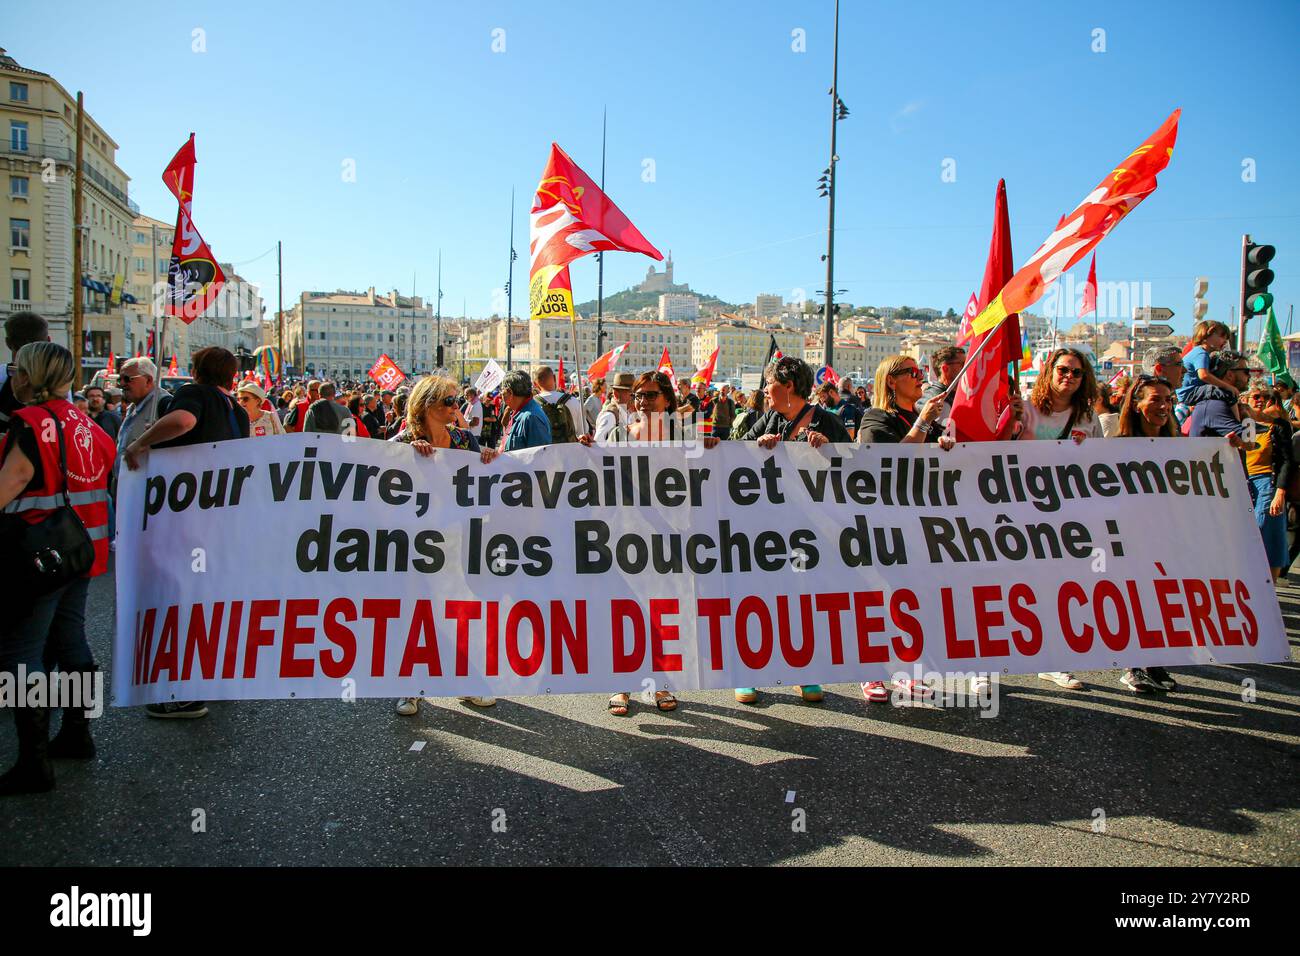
[654,412]
[1060,407]
[893,420]
[654,421]
[790,417]
[1061,404]
[431,412]
[261,421]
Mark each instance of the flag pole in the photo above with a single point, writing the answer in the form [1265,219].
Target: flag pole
[510,288]
[600,256]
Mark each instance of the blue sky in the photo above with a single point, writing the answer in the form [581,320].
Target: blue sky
[734,120]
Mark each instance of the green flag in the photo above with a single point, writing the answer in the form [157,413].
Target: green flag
[1272,352]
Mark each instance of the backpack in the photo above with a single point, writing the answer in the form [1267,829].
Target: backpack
[561,421]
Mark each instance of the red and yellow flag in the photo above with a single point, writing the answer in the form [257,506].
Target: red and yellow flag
[194,277]
[571,218]
[1087,224]
[704,375]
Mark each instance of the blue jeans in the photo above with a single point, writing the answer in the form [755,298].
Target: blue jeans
[53,634]
[1272,529]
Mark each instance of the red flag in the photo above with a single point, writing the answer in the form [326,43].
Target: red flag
[606,363]
[560,383]
[571,217]
[386,374]
[982,391]
[194,277]
[172,369]
[704,374]
[666,366]
[1079,231]
[112,364]
[1089,303]
[967,317]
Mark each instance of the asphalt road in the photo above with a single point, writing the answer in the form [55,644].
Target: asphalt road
[1199,777]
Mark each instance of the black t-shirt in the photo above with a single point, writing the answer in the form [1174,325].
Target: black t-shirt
[21,434]
[214,412]
[8,404]
[824,421]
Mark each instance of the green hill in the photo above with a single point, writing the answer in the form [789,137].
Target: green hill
[629,301]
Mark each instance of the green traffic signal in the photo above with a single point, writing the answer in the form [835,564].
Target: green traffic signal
[1259,303]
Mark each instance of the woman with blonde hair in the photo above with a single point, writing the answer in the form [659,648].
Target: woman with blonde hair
[45,470]
[431,415]
[892,417]
[431,412]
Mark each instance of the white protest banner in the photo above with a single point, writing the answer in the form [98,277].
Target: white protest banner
[490,377]
[306,565]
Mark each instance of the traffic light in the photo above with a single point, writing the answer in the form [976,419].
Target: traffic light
[1199,305]
[1257,277]
[438,364]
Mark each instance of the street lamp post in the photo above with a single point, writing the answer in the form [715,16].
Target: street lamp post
[838,112]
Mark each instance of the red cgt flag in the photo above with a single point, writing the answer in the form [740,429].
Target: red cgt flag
[571,218]
[982,392]
[1089,303]
[194,277]
[666,366]
[386,374]
[560,382]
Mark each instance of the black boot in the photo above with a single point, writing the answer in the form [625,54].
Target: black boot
[33,773]
[73,739]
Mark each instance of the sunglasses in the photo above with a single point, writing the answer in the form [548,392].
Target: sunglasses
[646,396]
[912,372]
[1068,372]
[450,400]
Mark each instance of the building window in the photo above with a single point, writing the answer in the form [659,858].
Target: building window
[18,187]
[22,285]
[139,264]
[17,136]
[20,233]
[18,92]
[140,240]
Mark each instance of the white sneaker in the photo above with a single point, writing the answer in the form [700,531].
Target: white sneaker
[1063,679]
[480,701]
[408,706]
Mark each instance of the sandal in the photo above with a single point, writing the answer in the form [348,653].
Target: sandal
[618,704]
[664,700]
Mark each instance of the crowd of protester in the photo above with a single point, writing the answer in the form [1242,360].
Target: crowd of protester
[1205,392]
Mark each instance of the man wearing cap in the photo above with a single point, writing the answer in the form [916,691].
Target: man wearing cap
[262,421]
[615,411]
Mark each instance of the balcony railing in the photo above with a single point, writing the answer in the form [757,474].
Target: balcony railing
[64,154]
